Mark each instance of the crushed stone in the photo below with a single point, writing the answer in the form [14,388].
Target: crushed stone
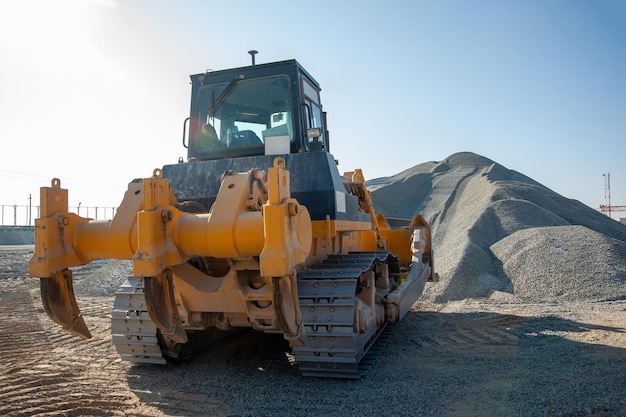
[497,231]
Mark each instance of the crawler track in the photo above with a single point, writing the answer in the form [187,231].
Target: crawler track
[132,331]
[328,303]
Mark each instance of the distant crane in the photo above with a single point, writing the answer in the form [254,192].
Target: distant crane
[607,207]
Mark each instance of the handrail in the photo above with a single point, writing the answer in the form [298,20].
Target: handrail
[185,123]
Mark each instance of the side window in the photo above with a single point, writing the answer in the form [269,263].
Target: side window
[312,112]
[317,115]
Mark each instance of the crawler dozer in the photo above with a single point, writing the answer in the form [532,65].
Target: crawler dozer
[256,229]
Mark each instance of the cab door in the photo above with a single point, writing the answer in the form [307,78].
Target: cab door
[314,122]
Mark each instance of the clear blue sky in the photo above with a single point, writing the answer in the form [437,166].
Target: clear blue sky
[95,92]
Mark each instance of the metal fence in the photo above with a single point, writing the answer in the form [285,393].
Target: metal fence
[25,215]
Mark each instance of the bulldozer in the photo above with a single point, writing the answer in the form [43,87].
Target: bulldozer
[255,229]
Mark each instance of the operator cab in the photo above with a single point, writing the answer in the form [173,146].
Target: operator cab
[266,109]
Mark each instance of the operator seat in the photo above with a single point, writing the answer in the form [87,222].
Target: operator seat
[244,138]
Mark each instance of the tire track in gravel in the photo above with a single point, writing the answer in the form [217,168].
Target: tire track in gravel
[47,371]
[474,331]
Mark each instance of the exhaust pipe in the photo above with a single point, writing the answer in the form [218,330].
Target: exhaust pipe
[252,53]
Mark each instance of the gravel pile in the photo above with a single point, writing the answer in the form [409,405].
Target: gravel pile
[498,231]
[554,262]
[101,278]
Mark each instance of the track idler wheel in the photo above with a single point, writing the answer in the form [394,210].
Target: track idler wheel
[59,302]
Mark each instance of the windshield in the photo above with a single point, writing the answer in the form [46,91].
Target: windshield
[243,113]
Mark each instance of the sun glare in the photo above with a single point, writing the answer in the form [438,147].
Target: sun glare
[36,27]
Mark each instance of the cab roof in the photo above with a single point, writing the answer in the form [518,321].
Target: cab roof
[290,67]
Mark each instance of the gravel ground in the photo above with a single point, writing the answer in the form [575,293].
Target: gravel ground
[475,357]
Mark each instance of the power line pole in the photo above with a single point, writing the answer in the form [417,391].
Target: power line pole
[607,192]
